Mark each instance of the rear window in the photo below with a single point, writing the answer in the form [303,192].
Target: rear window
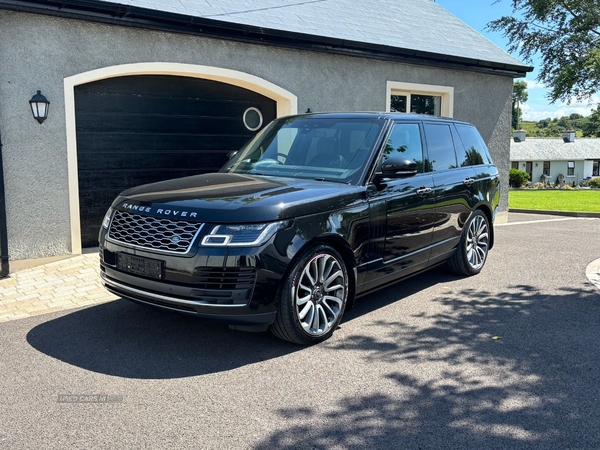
[475,150]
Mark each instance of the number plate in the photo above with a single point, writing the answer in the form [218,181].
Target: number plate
[146,267]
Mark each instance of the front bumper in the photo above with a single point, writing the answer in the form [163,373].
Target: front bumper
[234,286]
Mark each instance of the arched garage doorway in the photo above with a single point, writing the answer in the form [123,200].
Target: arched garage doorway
[139,128]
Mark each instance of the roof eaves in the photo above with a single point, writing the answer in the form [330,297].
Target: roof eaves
[126,15]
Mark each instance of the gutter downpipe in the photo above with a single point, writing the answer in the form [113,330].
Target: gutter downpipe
[3,223]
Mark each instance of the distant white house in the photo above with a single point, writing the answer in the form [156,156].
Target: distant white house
[576,159]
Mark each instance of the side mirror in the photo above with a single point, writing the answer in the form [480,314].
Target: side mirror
[396,167]
[231,154]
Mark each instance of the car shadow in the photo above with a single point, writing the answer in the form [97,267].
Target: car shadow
[399,291]
[124,339]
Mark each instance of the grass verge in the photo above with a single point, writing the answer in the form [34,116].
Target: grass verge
[555,200]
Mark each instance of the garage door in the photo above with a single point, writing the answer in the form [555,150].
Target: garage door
[140,129]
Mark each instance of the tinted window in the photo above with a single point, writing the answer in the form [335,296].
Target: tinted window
[325,148]
[440,146]
[476,151]
[405,142]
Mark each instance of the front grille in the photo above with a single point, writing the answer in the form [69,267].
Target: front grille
[153,233]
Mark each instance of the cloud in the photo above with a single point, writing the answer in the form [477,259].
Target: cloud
[539,112]
[532,84]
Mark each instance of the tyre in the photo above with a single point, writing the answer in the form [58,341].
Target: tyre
[313,297]
[473,247]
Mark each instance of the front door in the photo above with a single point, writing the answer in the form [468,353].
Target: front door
[409,210]
[529,169]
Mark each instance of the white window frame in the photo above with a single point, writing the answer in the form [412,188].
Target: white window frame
[407,89]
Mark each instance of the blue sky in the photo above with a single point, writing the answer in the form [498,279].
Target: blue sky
[477,13]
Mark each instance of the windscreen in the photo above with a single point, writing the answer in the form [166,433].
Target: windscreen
[321,148]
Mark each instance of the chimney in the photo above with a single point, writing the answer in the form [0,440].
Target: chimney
[519,135]
[568,136]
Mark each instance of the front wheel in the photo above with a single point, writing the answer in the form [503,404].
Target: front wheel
[313,297]
[473,246]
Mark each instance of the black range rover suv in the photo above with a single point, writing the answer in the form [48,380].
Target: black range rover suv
[316,210]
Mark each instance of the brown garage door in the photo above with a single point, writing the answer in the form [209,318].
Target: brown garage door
[141,129]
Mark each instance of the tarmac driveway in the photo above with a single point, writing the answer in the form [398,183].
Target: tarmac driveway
[507,359]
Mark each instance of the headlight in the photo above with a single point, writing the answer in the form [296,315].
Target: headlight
[241,235]
[107,216]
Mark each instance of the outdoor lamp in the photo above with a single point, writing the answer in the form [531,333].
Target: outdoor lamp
[39,107]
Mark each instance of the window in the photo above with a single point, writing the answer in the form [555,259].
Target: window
[441,147]
[514,165]
[420,98]
[595,170]
[546,170]
[405,141]
[570,168]
[475,150]
[419,104]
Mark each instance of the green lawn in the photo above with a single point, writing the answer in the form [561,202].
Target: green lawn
[555,200]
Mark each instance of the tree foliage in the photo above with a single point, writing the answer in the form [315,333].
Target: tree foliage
[520,96]
[566,34]
[592,126]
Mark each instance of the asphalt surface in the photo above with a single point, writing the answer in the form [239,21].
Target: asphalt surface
[509,359]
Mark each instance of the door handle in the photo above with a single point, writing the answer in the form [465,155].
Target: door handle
[469,182]
[424,191]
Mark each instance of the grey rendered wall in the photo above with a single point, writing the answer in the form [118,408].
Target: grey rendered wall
[35,155]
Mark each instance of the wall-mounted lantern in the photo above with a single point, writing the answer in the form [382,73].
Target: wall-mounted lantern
[39,107]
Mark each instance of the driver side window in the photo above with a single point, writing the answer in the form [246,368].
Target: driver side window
[405,141]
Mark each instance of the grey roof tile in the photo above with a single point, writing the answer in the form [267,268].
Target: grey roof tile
[420,25]
[548,149]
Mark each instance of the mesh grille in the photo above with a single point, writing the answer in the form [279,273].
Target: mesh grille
[153,233]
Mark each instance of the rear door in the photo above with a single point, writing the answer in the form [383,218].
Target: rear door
[453,186]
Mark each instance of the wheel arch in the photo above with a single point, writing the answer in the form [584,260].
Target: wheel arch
[343,248]
[486,209]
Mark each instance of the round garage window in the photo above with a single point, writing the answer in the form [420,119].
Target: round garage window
[253,118]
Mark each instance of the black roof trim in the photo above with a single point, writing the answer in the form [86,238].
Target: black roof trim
[112,13]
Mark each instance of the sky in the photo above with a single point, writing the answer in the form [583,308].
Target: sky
[476,14]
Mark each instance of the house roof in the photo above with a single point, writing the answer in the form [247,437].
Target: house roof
[417,30]
[548,149]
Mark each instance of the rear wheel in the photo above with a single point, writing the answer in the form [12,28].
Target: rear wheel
[473,247]
[313,297]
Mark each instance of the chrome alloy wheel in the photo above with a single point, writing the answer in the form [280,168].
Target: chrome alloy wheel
[320,294]
[477,242]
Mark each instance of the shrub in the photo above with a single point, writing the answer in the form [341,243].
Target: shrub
[517,178]
[594,182]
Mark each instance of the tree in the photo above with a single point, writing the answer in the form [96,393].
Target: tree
[566,34]
[592,127]
[520,95]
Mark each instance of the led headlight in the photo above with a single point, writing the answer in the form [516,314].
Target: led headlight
[241,235]
[107,216]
